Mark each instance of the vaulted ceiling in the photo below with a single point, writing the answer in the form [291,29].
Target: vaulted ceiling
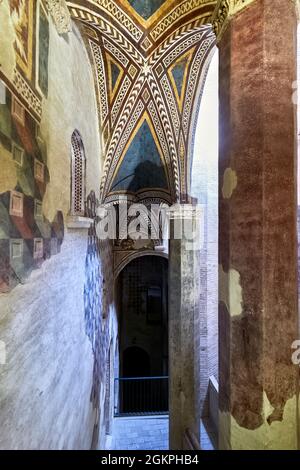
[150,59]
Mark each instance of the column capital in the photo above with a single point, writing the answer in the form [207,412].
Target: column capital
[224,10]
[60,15]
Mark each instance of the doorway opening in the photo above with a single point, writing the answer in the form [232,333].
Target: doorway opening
[142,387]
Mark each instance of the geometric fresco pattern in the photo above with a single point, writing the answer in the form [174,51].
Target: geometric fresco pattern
[27,237]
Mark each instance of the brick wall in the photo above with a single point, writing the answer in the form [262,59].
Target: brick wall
[205,189]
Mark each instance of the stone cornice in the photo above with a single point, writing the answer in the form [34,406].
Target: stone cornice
[78,222]
[224,10]
[60,15]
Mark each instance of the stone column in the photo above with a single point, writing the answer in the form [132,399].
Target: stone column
[184,331]
[257,236]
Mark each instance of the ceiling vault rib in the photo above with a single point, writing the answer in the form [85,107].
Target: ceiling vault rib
[147,59]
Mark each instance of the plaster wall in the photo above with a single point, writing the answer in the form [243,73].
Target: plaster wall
[47,376]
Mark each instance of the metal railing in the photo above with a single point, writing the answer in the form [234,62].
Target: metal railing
[141,396]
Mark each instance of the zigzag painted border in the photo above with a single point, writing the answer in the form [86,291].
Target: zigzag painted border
[109,170]
[119,100]
[122,122]
[101,77]
[183,32]
[168,120]
[173,182]
[110,47]
[116,13]
[178,12]
[197,64]
[170,99]
[109,30]
[183,46]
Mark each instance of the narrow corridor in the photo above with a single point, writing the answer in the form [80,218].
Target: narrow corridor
[151,433]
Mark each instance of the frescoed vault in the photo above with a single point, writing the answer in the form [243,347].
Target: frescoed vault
[149,59]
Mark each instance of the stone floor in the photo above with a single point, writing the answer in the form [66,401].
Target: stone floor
[151,433]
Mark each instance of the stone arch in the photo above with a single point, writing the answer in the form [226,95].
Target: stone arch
[134,255]
[195,116]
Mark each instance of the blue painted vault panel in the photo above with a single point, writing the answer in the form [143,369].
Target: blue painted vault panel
[142,166]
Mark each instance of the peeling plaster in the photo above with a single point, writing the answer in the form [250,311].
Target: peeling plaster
[229,183]
[230,291]
[279,435]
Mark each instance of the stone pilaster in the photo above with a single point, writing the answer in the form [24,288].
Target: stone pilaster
[184,331]
[258,317]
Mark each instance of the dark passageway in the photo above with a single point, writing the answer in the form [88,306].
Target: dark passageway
[143,385]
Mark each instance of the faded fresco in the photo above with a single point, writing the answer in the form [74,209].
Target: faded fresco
[43,51]
[21,12]
[27,238]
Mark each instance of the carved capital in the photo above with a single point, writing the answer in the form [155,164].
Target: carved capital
[220,16]
[60,15]
[226,9]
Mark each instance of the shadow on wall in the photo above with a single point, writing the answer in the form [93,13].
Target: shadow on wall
[97,299]
[148,175]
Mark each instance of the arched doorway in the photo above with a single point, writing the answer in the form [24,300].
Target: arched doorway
[142,288]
